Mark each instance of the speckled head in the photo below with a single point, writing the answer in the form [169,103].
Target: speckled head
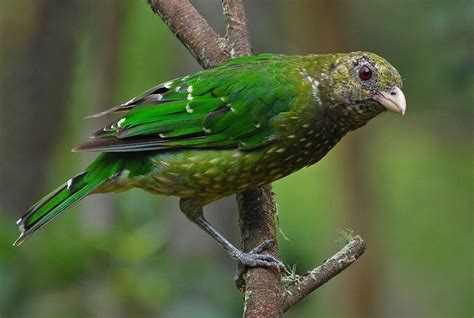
[360,85]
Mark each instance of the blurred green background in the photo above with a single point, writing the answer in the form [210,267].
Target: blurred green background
[404,183]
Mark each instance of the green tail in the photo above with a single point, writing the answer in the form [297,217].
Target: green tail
[65,196]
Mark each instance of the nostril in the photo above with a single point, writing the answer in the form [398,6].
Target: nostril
[393,93]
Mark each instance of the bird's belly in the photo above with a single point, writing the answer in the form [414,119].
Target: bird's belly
[210,174]
[214,174]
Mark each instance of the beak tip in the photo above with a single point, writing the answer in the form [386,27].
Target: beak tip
[394,100]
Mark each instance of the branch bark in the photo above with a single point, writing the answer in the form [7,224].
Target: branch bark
[207,47]
[257,224]
[323,273]
[237,34]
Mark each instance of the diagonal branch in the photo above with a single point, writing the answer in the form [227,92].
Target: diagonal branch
[323,273]
[207,47]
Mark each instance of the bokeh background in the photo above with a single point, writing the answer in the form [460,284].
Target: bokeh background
[404,183]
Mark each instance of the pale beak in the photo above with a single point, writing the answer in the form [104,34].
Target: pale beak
[393,100]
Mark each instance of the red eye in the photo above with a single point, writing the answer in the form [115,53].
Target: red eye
[365,73]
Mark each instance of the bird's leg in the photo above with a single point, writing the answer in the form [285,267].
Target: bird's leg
[251,259]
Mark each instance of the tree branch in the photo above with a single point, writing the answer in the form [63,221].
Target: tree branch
[256,207]
[257,224]
[323,273]
[237,34]
[207,47]
[263,295]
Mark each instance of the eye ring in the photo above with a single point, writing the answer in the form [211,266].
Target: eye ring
[365,73]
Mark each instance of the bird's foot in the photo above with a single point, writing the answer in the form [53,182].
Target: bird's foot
[254,258]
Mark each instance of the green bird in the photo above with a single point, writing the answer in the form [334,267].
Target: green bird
[242,124]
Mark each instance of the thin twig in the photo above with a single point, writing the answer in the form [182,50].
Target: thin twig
[207,47]
[323,273]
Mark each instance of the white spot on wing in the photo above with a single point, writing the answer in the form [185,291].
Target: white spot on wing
[189,109]
[120,122]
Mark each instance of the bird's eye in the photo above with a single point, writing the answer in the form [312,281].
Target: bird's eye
[365,73]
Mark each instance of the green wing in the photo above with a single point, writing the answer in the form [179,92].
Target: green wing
[233,105]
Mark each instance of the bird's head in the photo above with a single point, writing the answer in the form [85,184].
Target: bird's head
[357,86]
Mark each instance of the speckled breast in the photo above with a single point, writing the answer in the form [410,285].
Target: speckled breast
[214,174]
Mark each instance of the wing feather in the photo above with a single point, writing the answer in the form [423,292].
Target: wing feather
[229,106]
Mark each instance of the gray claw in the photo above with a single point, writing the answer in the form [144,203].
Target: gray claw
[255,259]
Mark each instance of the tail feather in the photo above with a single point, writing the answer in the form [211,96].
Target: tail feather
[56,202]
